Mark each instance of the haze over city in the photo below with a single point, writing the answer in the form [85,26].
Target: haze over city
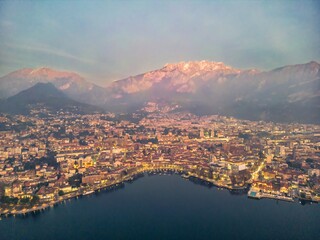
[111,40]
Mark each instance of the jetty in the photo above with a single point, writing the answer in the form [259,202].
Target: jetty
[259,195]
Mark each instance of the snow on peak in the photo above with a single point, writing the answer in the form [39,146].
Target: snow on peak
[42,70]
[46,73]
[203,65]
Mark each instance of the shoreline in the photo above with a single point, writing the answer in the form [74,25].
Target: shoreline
[179,170]
[77,194]
[262,195]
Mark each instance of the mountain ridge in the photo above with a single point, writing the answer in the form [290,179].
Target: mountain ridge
[200,86]
[42,95]
[74,85]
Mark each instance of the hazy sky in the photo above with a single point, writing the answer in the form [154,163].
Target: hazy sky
[110,40]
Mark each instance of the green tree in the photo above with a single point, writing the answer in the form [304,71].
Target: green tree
[35,199]
[25,200]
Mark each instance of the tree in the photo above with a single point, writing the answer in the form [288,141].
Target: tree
[309,160]
[25,200]
[75,180]
[35,199]
[9,200]
[245,136]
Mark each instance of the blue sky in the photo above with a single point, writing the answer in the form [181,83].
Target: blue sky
[110,40]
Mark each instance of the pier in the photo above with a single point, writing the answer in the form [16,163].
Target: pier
[260,195]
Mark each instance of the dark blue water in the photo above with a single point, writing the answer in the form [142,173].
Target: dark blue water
[167,207]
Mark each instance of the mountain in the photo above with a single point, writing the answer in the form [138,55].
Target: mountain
[43,95]
[183,77]
[287,94]
[183,82]
[72,84]
[213,88]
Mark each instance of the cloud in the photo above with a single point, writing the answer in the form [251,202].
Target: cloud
[50,51]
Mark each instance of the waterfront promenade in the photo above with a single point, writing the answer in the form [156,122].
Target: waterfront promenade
[144,169]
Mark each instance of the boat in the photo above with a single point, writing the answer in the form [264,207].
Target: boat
[185,176]
[87,192]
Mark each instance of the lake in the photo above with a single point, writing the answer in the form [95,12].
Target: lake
[167,207]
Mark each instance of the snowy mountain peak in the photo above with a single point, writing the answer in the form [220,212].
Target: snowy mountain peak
[43,73]
[198,66]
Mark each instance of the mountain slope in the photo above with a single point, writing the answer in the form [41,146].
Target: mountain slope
[290,93]
[183,77]
[286,94]
[214,88]
[72,84]
[43,95]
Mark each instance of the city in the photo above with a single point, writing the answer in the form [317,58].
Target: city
[46,160]
[153,120]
